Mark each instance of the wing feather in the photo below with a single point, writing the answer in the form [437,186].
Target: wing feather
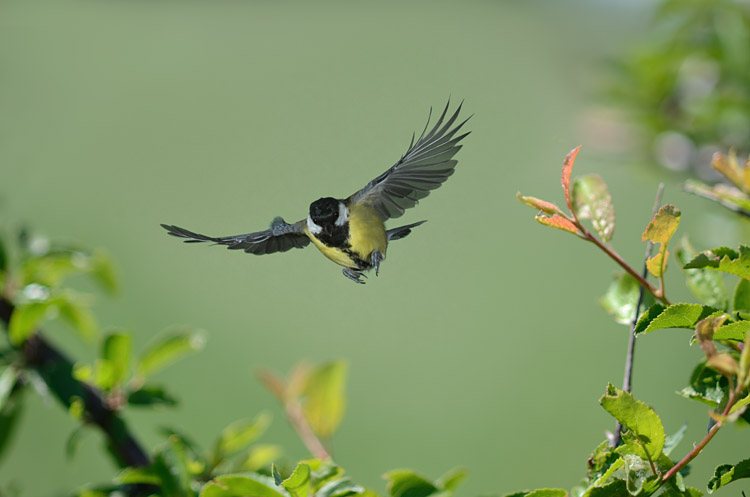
[427,163]
[280,237]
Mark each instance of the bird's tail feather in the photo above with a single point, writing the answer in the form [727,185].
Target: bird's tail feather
[189,236]
[401,231]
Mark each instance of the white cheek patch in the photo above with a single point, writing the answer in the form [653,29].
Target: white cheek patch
[314,228]
[343,215]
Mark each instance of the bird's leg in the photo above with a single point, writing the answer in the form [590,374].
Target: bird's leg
[353,275]
[376,258]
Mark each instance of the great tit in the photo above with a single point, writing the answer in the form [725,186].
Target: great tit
[351,231]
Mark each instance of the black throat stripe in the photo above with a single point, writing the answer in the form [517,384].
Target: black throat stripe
[335,236]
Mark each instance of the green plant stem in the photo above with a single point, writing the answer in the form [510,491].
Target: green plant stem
[294,413]
[699,447]
[57,372]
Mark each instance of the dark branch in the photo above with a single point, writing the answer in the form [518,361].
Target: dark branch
[630,357]
[57,372]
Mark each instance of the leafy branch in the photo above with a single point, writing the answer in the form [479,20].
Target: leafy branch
[57,372]
[589,198]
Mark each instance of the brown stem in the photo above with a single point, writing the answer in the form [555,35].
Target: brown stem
[57,372]
[698,448]
[294,413]
[619,260]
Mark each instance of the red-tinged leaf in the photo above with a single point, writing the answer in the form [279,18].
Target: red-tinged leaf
[660,230]
[704,332]
[557,221]
[566,171]
[542,205]
[724,364]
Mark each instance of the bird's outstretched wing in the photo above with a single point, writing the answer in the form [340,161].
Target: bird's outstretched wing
[424,167]
[280,237]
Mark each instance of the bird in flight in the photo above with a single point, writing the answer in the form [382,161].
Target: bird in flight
[351,232]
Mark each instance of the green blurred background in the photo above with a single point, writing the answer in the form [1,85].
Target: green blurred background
[480,344]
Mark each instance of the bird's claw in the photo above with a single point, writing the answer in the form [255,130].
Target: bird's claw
[375,258]
[355,276]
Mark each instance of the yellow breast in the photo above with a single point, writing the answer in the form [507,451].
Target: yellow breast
[366,233]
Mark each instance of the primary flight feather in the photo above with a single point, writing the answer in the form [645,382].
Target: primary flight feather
[351,232]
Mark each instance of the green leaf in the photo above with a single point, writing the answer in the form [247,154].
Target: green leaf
[261,456]
[75,311]
[638,471]
[7,381]
[26,317]
[675,316]
[622,297]
[660,230]
[240,434]
[600,461]
[741,300]
[452,479]
[591,200]
[732,331]
[740,404]
[104,271]
[276,476]
[172,466]
[637,417]
[616,488]
[323,472]
[151,395]
[145,475]
[241,485]
[547,492]
[298,484]
[406,483]
[726,195]
[325,398]
[724,259]
[726,474]
[167,350]
[71,444]
[706,385]
[339,488]
[651,313]
[707,286]
[116,351]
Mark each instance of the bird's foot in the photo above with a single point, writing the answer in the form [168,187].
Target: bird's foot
[376,258]
[355,276]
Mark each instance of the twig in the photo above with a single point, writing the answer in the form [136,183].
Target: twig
[57,372]
[295,415]
[630,356]
[699,447]
[712,196]
[657,293]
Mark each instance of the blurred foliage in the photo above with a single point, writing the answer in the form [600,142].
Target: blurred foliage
[688,83]
[34,291]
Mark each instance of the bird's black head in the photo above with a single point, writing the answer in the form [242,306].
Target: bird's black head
[324,211]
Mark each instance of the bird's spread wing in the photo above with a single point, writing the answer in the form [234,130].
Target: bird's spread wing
[280,237]
[424,167]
